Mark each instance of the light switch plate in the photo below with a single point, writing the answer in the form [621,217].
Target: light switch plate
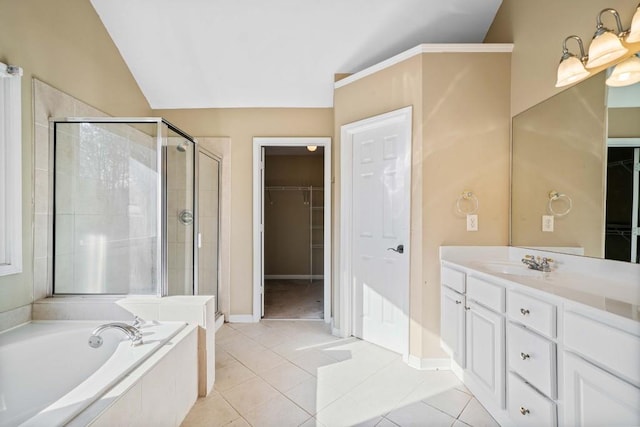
[472,222]
[547,223]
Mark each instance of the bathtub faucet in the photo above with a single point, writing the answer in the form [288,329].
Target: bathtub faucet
[95,340]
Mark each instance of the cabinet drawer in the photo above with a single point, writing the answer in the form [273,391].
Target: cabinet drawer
[533,313]
[487,294]
[533,358]
[613,348]
[527,407]
[454,279]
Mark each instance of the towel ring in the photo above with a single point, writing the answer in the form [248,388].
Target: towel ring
[467,195]
[555,196]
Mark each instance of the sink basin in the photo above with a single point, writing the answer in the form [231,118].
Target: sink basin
[511,268]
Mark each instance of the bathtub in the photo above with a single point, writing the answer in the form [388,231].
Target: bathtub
[49,374]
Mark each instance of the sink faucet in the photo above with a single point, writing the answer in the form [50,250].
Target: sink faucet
[133,333]
[537,263]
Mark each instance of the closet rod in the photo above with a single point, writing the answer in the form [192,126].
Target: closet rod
[308,187]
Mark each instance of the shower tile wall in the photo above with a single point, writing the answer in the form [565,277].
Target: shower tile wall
[179,235]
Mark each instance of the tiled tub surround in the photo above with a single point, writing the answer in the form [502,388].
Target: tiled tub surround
[557,348]
[156,380]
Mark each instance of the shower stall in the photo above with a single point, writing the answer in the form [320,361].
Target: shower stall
[125,208]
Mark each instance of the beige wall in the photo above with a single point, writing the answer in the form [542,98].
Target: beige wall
[286,214]
[64,44]
[537,29]
[460,141]
[241,125]
[559,145]
[465,122]
[623,122]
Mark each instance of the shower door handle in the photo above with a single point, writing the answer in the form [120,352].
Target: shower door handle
[399,249]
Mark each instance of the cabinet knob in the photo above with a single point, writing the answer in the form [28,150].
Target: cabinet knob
[523,410]
[524,311]
[467,308]
[524,356]
[458,302]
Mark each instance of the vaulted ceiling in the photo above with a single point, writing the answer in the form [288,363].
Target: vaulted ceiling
[273,53]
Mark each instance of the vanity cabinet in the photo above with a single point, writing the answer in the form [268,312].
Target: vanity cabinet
[545,350]
[452,329]
[485,351]
[601,371]
[595,397]
[531,360]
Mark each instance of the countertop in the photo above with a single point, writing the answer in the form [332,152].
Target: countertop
[610,286]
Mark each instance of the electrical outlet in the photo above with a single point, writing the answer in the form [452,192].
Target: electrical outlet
[547,223]
[472,222]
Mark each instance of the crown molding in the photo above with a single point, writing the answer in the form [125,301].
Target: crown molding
[427,48]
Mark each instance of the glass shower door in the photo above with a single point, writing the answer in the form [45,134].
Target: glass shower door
[208,222]
[180,220]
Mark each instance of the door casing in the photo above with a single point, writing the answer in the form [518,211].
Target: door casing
[258,144]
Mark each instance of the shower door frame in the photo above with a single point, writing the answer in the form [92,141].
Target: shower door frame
[162,288]
[197,236]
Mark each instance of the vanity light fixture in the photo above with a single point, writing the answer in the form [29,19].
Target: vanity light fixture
[606,45]
[571,68]
[634,32]
[312,148]
[625,73]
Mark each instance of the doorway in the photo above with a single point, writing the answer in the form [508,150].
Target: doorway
[374,235]
[291,230]
[622,237]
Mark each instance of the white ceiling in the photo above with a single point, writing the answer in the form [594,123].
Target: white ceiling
[274,53]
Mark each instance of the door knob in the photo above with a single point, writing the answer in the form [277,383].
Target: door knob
[399,249]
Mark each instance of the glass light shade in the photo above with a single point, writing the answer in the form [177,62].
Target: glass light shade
[634,32]
[570,71]
[625,73]
[312,148]
[604,49]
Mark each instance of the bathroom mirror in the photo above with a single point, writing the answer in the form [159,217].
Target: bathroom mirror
[572,171]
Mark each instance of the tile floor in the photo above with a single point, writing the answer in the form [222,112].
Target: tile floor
[293,299]
[295,373]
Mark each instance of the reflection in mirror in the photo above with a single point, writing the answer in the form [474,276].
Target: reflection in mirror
[583,143]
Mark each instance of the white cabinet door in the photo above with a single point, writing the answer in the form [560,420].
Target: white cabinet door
[486,350]
[594,397]
[452,324]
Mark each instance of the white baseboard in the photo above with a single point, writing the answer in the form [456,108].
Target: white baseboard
[294,276]
[429,364]
[219,322]
[337,332]
[241,318]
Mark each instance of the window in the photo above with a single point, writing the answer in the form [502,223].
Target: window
[10,170]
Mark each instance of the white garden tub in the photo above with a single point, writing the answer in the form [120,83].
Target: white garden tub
[49,373]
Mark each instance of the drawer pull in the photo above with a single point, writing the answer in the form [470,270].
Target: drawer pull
[524,311]
[524,411]
[524,356]
[458,302]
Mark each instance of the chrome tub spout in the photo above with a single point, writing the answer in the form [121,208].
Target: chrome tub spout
[132,333]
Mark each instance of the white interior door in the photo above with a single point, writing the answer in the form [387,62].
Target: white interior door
[381,176]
